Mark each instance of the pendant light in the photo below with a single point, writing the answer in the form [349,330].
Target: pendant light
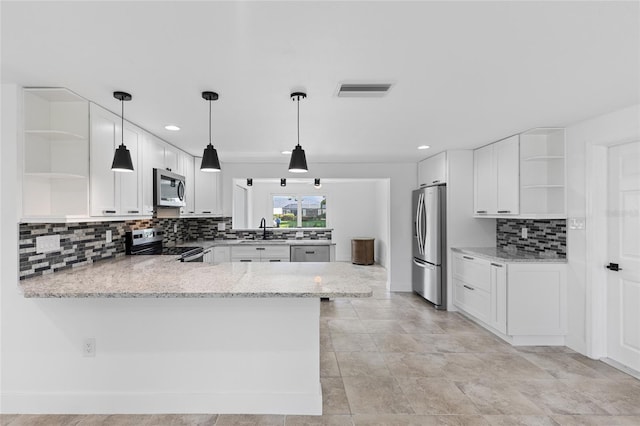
[249,182]
[298,163]
[210,162]
[316,183]
[283,182]
[122,157]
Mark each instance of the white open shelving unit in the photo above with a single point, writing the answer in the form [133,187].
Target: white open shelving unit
[542,173]
[55,154]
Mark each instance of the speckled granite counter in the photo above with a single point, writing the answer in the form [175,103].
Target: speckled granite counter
[217,243]
[493,253]
[165,277]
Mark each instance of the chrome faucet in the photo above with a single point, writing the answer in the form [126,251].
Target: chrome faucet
[263,225]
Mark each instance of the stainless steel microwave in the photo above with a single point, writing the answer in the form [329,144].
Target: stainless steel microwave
[168,189]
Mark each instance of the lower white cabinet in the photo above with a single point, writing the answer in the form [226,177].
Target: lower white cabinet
[525,302]
[215,255]
[310,253]
[258,253]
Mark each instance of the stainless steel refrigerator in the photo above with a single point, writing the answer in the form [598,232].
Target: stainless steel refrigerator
[428,268]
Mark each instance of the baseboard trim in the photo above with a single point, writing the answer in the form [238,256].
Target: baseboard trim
[161,403]
[621,367]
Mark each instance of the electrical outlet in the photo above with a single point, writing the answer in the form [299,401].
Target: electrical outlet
[89,347]
[175,228]
[299,234]
[524,232]
[109,237]
[222,226]
[47,243]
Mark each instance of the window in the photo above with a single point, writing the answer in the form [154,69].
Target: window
[307,211]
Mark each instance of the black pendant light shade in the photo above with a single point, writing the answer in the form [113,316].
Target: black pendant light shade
[122,157]
[298,163]
[210,161]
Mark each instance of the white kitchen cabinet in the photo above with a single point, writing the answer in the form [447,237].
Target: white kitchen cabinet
[311,253]
[188,172]
[207,191]
[433,170]
[152,158]
[55,179]
[524,302]
[496,178]
[171,159]
[542,173]
[260,253]
[221,254]
[208,256]
[113,193]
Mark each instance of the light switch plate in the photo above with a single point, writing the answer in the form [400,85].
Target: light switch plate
[299,234]
[108,236]
[576,223]
[47,243]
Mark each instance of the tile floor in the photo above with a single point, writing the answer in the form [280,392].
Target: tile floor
[393,360]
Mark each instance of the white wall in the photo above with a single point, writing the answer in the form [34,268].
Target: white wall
[402,179]
[383,224]
[616,127]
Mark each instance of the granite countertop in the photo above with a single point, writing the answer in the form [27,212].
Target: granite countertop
[494,253]
[165,277]
[205,244]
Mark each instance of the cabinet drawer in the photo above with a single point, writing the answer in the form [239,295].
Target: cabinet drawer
[276,252]
[310,253]
[473,271]
[472,300]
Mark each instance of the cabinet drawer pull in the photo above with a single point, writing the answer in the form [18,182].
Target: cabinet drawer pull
[481,211]
[274,260]
[245,260]
[467,257]
[467,287]
[205,212]
[504,211]
[496,264]
[309,252]
[109,211]
[260,248]
[134,211]
[192,211]
[436,181]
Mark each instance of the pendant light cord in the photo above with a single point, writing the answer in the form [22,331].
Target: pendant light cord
[122,118]
[209,121]
[298,121]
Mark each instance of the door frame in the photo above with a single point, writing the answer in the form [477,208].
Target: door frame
[596,185]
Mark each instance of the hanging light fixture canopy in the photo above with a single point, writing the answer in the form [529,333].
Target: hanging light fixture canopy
[249,182]
[283,182]
[298,163]
[210,162]
[122,157]
[316,183]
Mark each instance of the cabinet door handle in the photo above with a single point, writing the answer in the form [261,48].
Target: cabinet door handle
[467,257]
[134,211]
[245,260]
[205,212]
[496,264]
[274,260]
[504,211]
[436,181]
[260,248]
[309,252]
[109,211]
[191,212]
[467,287]
[481,211]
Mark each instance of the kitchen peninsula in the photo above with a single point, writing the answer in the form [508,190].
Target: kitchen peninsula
[188,337]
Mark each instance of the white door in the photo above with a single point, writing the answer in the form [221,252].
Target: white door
[623,286]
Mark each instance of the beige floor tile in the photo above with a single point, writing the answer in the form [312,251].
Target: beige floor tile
[334,397]
[495,397]
[435,396]
[353,342]
[182,419]
[324,420]
[545,349]
[396,343]
[520,420]
[382,326]
[562,366]
[605,369]
[616,397]
[597,420]
[462,343]
[415,364]
[463,366]
[511,366]
[340,311]
[421,327]
[362,364]
[376,313]
[326,343]
[418,420]
[329,365]
[375,395]
[346,326]
[45,420]
[555,397]
[249,420]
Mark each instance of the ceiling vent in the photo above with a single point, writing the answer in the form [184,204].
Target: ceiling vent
[354,90]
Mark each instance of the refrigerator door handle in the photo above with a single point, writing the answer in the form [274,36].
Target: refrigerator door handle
[418,224]
[423,265]
[423,227]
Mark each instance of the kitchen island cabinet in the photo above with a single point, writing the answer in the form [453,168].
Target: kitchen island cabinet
[183,337]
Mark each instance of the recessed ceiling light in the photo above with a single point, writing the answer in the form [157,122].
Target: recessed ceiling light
[286,152]
[424,147]
[172,127]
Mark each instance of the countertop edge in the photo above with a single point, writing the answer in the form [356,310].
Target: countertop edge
[481,252]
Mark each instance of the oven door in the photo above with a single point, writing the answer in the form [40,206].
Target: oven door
[198,257]
[168,189]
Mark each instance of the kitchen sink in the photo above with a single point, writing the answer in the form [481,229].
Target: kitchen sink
[263,242]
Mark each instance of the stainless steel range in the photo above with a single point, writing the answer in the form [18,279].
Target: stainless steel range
[149,241]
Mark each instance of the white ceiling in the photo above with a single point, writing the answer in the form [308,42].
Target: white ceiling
[464,73]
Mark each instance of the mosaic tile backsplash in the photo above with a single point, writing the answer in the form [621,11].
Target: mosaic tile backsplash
[545,236]
[84,243]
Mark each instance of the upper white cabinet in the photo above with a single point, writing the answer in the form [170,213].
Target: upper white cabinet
[55,154]
[152,158]
[496,171]
[542,173]
[433,170]
[114,193]
[207,191]
[171,157]
[188,171]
